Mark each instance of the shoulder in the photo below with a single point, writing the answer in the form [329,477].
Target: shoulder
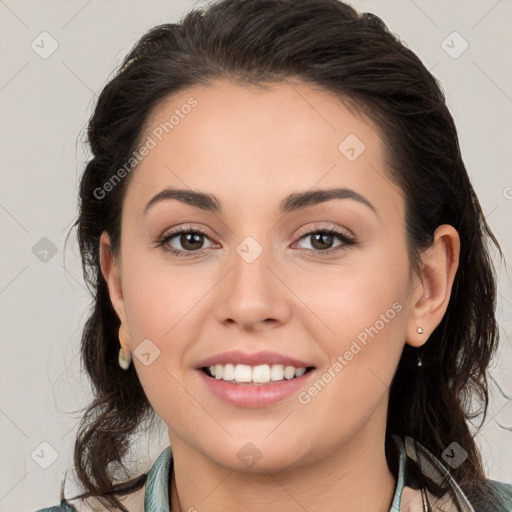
[63,507]
[429,466]
[503,493]
[156,485]
[133,502]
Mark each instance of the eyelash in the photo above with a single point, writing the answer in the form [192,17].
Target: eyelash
[347,241]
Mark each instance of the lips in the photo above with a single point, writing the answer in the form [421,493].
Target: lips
[257,358]
[252,395]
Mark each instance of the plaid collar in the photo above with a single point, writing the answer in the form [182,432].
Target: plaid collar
[423,483]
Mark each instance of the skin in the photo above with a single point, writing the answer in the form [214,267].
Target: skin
[251,148]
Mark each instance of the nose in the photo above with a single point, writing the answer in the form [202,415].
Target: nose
[253,295]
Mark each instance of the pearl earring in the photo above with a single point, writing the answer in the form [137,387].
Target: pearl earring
[420,330]
[125,356]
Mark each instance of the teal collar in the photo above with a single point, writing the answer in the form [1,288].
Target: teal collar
[395,504]
[409,452]
[156,498]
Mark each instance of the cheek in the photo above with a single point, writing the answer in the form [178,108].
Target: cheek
[165,305]
[160,299]
[360,320]
[366,290]
[363,347]
[159,305]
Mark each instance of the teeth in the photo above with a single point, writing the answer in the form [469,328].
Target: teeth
[217,371]
[243,373]
[289,372]
[228,372]
[277,372]
[260,374]
[299,371]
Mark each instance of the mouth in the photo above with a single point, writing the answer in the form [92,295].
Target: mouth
[255,386]
[261,375]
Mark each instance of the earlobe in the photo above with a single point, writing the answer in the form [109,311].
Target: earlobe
[112,275]
[431,296]
[125,355]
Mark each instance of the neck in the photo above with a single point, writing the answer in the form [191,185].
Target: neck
[354,477]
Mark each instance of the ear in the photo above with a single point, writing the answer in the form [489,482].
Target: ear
[432,288]
[110,268]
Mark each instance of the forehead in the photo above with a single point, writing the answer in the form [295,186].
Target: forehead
[248,143]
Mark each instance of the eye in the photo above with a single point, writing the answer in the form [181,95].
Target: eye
[323,238]
[191,240]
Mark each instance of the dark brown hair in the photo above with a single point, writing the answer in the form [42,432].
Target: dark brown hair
[325,43]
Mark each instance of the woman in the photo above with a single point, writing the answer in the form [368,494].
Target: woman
[289,268]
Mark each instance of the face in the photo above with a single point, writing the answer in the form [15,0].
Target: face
[323,282]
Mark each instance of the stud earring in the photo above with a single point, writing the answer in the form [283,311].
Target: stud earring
[125,356]
[419,362]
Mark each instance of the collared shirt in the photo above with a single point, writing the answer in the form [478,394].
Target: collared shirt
[409,495]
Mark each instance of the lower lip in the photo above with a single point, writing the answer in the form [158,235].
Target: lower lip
[254,395]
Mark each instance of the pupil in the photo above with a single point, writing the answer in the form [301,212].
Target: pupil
[185,240]
[325,238]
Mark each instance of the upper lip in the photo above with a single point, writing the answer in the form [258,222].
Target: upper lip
[254,359]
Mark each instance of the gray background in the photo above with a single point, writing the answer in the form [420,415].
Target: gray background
[45,103]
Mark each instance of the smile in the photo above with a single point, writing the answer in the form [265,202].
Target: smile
[260,374]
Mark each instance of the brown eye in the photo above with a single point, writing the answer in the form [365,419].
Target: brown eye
[183,241]
[191,241]
[322,240]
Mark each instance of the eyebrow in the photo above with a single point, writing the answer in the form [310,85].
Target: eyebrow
[293,202]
